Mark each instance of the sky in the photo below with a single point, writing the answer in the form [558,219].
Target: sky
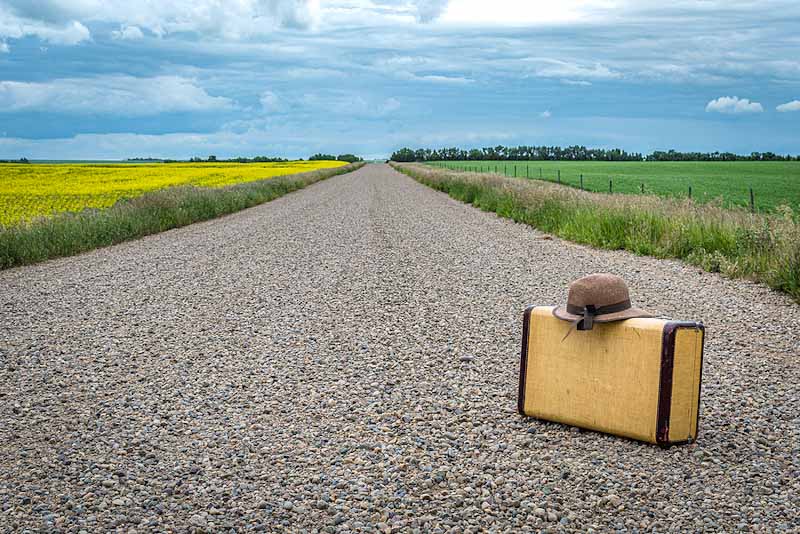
[100,79]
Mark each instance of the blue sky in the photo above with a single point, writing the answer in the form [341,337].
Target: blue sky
[92,79]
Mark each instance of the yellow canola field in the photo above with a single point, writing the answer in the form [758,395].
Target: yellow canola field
[35,190]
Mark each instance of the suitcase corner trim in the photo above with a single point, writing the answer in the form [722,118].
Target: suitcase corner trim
[523,359]
[665,380]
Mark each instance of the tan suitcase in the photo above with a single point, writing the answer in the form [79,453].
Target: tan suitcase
[638,378]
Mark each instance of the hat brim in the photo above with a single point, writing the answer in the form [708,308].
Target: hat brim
[631,313]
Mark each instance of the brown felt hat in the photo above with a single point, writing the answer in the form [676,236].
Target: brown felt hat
[598,298]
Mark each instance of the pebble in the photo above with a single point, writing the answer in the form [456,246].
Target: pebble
[197,521]
[298,367]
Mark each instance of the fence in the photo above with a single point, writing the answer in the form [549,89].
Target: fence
[512,170]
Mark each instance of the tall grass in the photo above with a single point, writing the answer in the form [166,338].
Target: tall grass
[764,248]
[66,234]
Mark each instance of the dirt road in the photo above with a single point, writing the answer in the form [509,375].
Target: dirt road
[346,358]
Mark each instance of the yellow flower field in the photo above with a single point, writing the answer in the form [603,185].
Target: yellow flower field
[35,190]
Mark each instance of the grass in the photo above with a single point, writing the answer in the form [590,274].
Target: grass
[70,233]
[728,183]
[35,190]
[734,242]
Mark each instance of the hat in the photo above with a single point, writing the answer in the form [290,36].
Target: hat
[598,298]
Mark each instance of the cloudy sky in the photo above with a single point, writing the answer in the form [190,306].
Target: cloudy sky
[112,79]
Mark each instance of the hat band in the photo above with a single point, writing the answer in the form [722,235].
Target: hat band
[589,312]
[602,310]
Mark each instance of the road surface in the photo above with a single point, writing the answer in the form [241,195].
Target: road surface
[346,358]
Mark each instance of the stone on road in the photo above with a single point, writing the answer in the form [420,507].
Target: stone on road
[345,358]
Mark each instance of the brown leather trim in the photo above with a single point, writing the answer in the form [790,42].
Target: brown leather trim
[665,381]
[523,359]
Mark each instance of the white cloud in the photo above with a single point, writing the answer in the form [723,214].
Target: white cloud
[734,105]
[514,12]
[582,83]
[302,73]
[545,114]
[270,102]
[556,68]
[547,12]
[428,10]
[344,103]
[114,95]
[4,47]
[794,105]
[66,33]
[389,105]
[63,21]
[434,78]
[127,33]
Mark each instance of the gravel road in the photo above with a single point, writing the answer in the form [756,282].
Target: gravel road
[345,358]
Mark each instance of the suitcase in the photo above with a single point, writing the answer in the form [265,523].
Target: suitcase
[637,378]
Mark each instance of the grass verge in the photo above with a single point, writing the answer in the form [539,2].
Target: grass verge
[72,233]
[764,248]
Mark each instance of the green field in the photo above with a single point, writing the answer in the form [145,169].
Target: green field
[774,183]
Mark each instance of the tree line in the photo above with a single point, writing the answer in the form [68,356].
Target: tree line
[572,153]
[350,158]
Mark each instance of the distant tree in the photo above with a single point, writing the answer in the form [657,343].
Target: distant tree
[322,157]
[212,158]
[350,158]
[403,155]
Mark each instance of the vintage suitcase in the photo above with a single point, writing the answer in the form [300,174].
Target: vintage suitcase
[638,378]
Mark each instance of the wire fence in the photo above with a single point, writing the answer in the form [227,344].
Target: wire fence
[577,180]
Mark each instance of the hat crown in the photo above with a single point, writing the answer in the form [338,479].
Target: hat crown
[599,290]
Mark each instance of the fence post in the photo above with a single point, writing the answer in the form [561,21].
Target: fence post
[643,189]
[581,182]
[527,172]
[515,171]
[540,173]
[752,201]
[559,176]
[610,187]
[690,192]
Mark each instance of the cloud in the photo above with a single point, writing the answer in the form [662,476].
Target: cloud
[64,33]
[110,95]
[556,68]
[303,73]
[127,33]
[545,114]
[64,21]
[344,103]
[429,10]
[733,105]
[434,78]
[270,102]
[794,105]
[582,83]
[4,47]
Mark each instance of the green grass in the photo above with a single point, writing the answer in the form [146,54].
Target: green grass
[66,234]
[774,183]
[734,242]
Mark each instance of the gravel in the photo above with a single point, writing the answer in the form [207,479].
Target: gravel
[345,358]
